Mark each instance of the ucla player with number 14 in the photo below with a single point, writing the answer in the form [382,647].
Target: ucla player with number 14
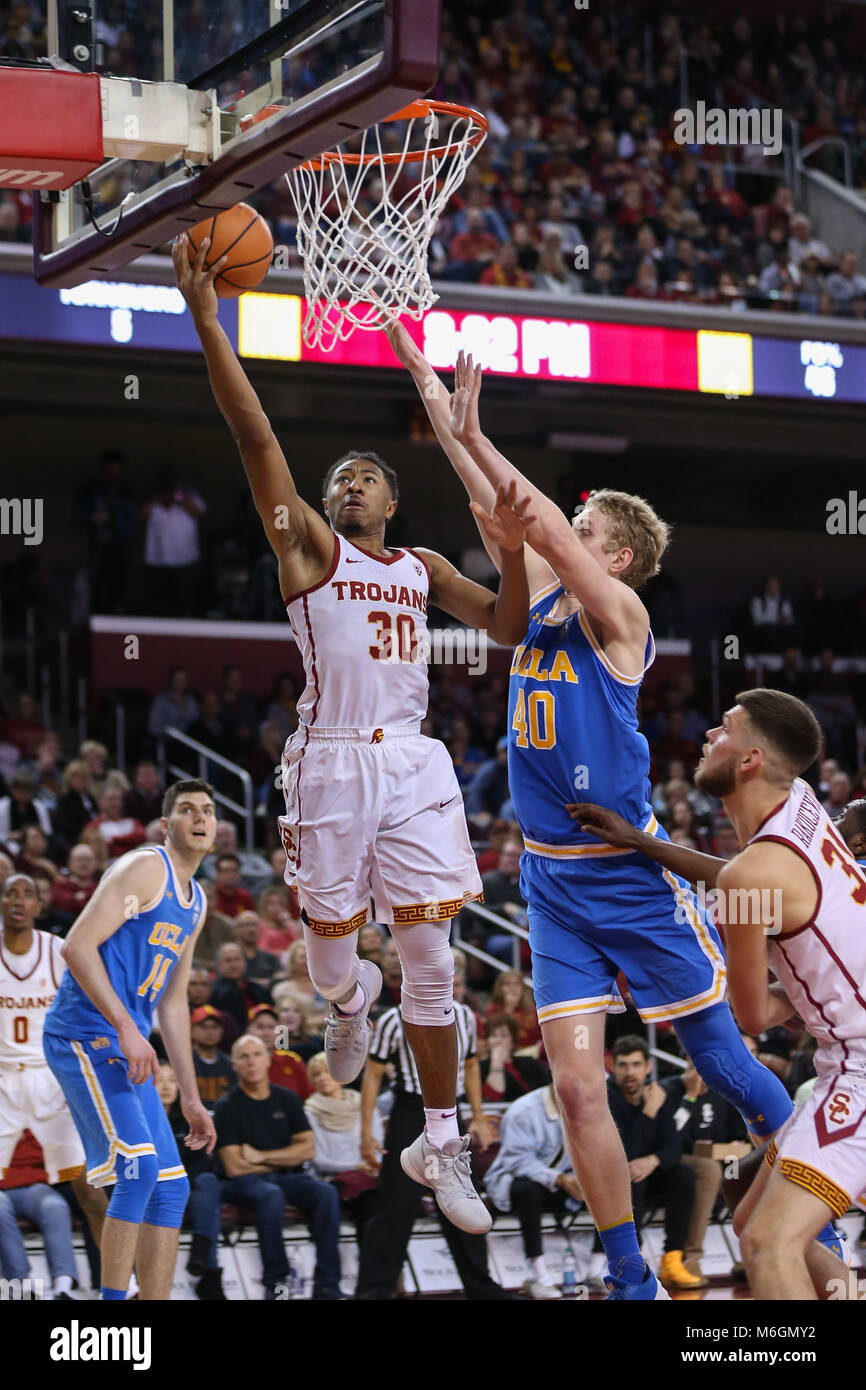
[594,910]
[129,953]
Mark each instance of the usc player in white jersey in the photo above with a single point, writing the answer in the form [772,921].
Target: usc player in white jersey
[31,967]
[372,806]
[794,903]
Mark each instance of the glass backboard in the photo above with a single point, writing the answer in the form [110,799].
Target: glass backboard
[291,77]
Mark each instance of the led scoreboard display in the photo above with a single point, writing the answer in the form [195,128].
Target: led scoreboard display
[523,346]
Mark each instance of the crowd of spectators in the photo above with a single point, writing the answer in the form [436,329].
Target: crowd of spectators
[582,188]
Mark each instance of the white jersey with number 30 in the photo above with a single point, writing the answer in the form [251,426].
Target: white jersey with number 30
[822,965]
[362,635]
[28,985]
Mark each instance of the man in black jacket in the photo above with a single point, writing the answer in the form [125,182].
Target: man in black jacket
[644,1116]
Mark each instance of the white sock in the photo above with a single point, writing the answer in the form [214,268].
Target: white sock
[353,1005]
[62,1284]
[539,1270]
[441,1126]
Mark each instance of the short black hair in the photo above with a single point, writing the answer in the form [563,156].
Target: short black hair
[221,858]
[630,1042]
[385,468]
[789,726]
[857,812]
[178,789]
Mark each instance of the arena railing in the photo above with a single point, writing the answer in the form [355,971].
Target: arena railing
[209,755]
[501,924]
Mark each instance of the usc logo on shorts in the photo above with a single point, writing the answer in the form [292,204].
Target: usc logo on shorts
[839,1108]
[378,735]
[289,842]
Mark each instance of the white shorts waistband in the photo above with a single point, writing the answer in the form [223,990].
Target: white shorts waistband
[374,734]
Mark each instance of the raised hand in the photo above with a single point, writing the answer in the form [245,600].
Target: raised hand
[464,402]
[507,524]
[194,281]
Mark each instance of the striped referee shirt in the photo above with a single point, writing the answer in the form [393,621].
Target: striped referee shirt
[389,1045]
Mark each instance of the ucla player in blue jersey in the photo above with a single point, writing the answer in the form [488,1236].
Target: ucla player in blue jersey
[594,909]
[128,954]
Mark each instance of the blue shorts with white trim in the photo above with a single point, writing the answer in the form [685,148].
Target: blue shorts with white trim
[591,917]
[115,1119]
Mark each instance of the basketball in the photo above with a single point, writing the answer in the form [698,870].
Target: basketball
[245,237]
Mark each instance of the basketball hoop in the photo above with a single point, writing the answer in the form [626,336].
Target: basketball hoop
[365,219]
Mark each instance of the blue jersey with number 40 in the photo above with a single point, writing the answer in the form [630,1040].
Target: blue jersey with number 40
[572,729]
[139,959]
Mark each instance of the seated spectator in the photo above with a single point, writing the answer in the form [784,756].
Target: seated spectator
[175,707]
[75,808]
[512,995]
[838,794]
[232,992]
[300,987]
[263,1140]
[20,809]
[505,1077]
[646,283]
[488,789]
[238,709]
[279,929]
[91,836]
[231,897]
[802,244]
[212,729]
[287,1068]
[95,757]
[121,833]
[531,1174]
[33,856]
[772,616]
[702,1116]
[371,942]
[204,1205]
[674,744]
[292,1019]
[466,757]
[724,840]
[555,274]
[25,1195]
[472,251]
[790,677]
[76,884]
[46,769]
[283,707]
[334,1113]
[644,1116]
[48,918]
[256,872]
[500,831]
[23,728]
[505,270]
[502,894]
[143,801]
[213,1069]
[217,929]
[846,282]
[261,966]
[392,980]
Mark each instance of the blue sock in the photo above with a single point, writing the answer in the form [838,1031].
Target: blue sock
[623,1252]
[830,1237]
[113,1295]
[712,1040]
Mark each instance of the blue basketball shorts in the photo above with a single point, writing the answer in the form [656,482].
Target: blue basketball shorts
[115,1119]
[592,917]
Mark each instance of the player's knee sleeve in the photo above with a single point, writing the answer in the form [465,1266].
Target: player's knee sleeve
[332,963]
[713,1042]
[427,992]
[136,1179]
[167,1203]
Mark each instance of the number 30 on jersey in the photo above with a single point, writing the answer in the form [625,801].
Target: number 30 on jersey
[534,719]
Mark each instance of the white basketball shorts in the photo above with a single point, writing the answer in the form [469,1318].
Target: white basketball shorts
[30,1098]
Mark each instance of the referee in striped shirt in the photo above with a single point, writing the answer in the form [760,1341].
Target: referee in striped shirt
[388,1231]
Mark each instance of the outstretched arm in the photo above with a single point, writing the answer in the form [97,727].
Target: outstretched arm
[613,829]
[437,403]
[298,535]
[616,606]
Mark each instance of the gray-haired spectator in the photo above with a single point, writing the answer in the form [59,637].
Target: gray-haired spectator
[846,282]
[175,707]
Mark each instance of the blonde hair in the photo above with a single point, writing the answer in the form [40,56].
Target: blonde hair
[632,522]
[77,765]
[295,948]
[318,1060]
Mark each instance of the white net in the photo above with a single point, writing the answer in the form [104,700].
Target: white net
[366,218]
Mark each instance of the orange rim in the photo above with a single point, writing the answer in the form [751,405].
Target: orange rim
[413,111]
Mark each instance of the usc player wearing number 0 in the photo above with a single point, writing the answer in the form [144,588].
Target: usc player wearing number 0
[372,806]
[31,968]
[128,954]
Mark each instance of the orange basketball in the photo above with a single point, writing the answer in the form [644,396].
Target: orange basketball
[242,235]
